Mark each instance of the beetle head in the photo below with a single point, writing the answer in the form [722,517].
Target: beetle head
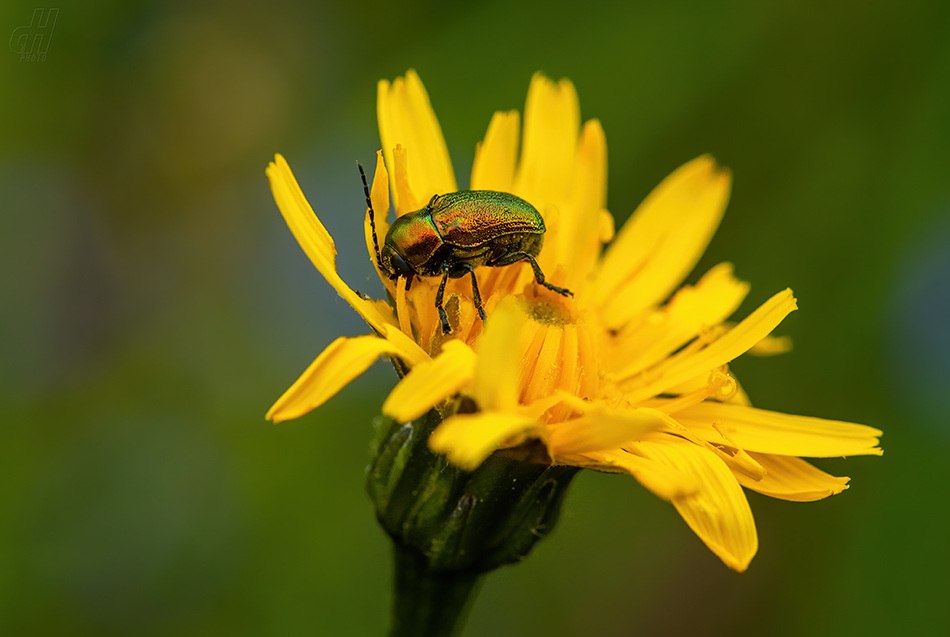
[394,263]
[410,245]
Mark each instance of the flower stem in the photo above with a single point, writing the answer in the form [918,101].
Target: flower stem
[427,603]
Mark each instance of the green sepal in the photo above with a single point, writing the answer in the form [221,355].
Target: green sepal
[461,521]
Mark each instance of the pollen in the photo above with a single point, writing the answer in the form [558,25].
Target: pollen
[556,358]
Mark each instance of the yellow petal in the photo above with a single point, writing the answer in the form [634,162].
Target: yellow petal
[731,454]
[793,479]
[495,385]
[665,482]
[783,434]
[406,117]
[341,362]
[404,198]
[663,240]
[547,366]
[429,383]
[714,298]
[379,196]
[467,439]
[551,124]
[686,364]
[313,237]
[602,428]
[719,512]
[738,397]
[772,345]
[579,237]
[318,245]
[737,459]
[494,167]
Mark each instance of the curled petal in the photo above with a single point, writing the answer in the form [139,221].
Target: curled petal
[793,479]
[342,361]
[698,383]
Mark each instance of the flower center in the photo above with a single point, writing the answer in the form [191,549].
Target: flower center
[557,355]
[548,309]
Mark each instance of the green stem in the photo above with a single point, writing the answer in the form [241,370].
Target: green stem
[427,603]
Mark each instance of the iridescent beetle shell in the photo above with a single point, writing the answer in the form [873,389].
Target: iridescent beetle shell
[472,227]
[458,232]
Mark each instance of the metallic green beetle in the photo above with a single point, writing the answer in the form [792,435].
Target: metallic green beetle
[458,232]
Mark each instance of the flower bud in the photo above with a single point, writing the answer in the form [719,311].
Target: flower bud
[457,520]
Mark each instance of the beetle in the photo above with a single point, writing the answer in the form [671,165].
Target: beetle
[458,232]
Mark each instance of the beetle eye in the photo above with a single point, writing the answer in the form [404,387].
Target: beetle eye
[399,265]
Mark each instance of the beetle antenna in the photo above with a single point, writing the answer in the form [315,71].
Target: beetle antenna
[372,216]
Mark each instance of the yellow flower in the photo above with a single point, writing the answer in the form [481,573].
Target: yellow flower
[630,375]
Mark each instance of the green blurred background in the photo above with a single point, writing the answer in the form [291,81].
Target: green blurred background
[154,305]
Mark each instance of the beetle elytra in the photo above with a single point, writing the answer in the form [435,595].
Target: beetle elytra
[457,232]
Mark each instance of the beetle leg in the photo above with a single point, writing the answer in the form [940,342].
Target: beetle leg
[476,295]
[538,274]
[446,328]
[408,282]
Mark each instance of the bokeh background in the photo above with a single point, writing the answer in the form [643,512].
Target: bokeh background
[154,305]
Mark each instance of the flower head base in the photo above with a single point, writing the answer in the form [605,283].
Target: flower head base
[630,375]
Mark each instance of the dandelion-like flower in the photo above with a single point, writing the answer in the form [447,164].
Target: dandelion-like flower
[630,375]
